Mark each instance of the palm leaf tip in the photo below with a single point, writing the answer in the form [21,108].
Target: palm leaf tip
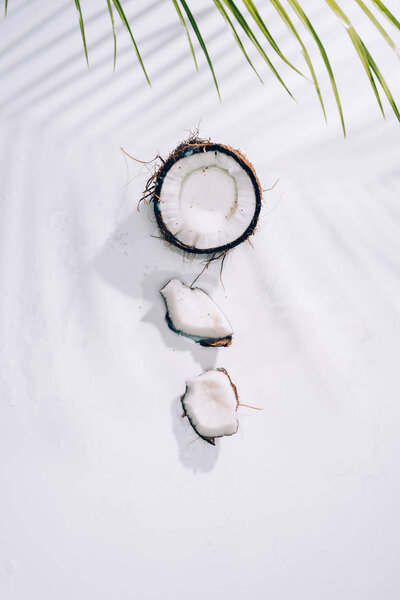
[386,12]
[225,15]
[252,37]
[182,20]
[368,62]
[110,10]
[383,84]
[125,21]
[252,9]
[308,25]
[203,46]
[378,26]
[289,23]
[82,28]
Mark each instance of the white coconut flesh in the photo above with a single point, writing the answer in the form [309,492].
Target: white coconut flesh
[193,313]
[210,402]
[207,200]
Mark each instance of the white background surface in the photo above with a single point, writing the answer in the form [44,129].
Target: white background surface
[103,495]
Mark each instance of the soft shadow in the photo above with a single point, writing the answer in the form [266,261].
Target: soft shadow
[126,265]
[205,357]
[194,452]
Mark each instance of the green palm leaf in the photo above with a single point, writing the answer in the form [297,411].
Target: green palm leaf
[236,21]
[385,11]
[366,59]
[78,7]
[379,27]
[249,4]
[224,13]
[182,20]
[285,17]
[249,33]
[307,23]
[200,40]
[110,10]
[383,83]
[124,20]
[361,51]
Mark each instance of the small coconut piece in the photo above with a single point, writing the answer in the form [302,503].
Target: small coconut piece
[210,403]
[207,197]
[192,313]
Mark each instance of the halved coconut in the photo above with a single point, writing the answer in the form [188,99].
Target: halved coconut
[192,313]
[210,403]
[207,197]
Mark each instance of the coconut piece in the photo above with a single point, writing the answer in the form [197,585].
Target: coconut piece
[192,313]
[207,197]
[210,403]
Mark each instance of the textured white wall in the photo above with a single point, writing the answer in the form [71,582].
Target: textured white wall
[103,495]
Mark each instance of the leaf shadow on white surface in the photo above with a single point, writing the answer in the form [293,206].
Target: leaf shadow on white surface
[28,35]
[194,452]
[165,86]
[39,80]
[65,90]
[40,49]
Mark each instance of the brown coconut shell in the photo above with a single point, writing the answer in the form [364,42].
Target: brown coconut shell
[206,342]
[182,399]
[192,146]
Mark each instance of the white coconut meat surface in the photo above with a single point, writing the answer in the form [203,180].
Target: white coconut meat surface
[210,403]
[192,312]
[208,200]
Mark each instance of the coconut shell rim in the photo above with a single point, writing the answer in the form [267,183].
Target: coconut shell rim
[196,147]
[206,342]
[211,440]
